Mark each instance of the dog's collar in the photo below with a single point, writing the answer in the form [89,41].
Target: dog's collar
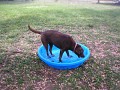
[75,47]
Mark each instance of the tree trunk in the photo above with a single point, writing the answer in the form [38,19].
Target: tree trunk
[56,0]
[98,1]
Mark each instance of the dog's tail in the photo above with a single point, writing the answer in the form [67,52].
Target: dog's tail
[33,30]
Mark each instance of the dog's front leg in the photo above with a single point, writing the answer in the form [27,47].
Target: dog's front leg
[68,54]
[60,56]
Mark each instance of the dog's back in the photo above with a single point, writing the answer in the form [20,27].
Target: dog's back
[57,38]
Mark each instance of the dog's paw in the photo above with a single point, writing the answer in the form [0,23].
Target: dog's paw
[59,61]
[52,55]
[70,56]
[48,57]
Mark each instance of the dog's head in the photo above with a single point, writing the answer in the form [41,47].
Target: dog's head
[79,51]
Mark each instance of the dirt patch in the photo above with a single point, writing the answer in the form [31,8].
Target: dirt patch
[102,49]
[38,76]
[27,43]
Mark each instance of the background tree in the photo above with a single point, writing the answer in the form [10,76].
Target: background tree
[98,1]
[56,0]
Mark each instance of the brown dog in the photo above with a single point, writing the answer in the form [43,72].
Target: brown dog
[62,41]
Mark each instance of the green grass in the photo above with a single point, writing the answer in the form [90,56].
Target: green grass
[96,26]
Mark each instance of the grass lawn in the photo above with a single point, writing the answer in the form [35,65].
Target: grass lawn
[96,26]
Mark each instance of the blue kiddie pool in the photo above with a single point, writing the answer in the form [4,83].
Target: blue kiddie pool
[67,62]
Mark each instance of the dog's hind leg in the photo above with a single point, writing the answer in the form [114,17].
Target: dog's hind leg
[51,45]
[46,47]
[45,44]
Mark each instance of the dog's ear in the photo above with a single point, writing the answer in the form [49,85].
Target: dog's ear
[78,47]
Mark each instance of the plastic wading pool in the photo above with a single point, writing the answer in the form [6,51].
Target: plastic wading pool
[67,62]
